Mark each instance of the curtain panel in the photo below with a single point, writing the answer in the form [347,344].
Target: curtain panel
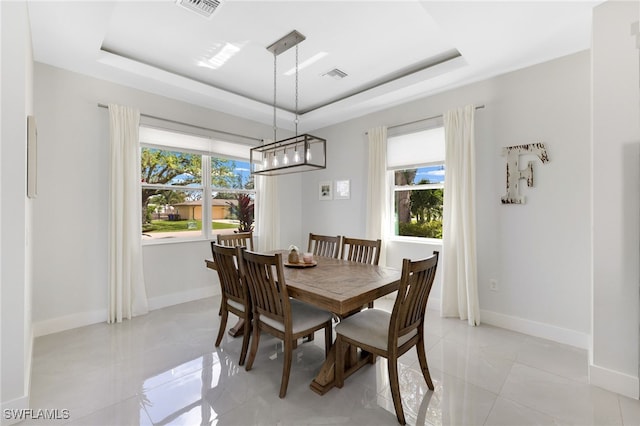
[268,213]
[127,293]
[460,281]
[377,189]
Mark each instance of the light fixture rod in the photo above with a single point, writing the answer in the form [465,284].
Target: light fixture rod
[286,42]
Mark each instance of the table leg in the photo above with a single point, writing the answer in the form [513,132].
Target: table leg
[326,378]
[237,329]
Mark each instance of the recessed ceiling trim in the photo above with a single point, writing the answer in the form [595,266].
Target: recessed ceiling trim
[445,57]
[431,62]
[188,77]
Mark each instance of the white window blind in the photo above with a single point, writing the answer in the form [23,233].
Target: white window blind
[415,149]
[193,143]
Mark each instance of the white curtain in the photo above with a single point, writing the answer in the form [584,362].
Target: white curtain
[127,294]
[268,213]
[460,281]
[377,188]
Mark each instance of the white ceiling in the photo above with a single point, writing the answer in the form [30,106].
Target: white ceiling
[392,51]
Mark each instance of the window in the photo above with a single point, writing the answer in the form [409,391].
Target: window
[415,166]
[182,174]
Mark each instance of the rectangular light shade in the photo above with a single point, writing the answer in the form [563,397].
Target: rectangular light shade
[297,154]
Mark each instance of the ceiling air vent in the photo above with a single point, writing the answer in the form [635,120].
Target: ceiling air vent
[335,74]
[201,7]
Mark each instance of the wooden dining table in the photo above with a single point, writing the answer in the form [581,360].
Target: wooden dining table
[342,287]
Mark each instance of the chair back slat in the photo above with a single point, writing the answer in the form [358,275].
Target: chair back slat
[243,239]
[411,302]
[324,245]
[226,261]
[267,288]
[361,251]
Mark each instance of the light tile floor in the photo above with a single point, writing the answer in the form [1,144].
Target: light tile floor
[163,368]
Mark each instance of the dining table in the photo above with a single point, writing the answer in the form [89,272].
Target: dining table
[342,287]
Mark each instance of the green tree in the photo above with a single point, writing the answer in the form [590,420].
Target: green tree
[426,205]
[163,167]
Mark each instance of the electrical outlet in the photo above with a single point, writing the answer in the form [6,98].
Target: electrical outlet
[493,284]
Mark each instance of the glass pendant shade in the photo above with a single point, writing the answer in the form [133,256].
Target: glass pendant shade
[297,154]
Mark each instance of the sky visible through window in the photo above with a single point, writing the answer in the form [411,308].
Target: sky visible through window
[434,174]
[242,169]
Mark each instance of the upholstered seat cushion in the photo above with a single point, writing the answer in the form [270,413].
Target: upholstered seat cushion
[370,326]
[304,317]
[238,306]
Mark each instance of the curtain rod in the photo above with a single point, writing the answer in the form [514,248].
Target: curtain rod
[168,120]
[422,119]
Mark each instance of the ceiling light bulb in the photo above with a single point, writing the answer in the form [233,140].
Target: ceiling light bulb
[296,156]
[285,159]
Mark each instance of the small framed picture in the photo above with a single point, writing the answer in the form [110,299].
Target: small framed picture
[343,190]
[325,191]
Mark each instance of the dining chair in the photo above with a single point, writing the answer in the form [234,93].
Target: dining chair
[392,334]
[235,294]
[361,251]
[324,245]
[275,313]
[244,239]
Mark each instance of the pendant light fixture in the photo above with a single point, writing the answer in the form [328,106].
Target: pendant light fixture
[300,153]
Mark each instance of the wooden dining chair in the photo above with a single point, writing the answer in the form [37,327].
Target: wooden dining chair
[392,334]
[324,245]
[275,313]
[235,294]
[361,251]
[244,239]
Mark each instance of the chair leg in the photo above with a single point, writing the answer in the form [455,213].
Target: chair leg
[254,345]
[286,367]
[339,365]
[395,389]
[245,339]
[370,305]
[422,358]
[223,326]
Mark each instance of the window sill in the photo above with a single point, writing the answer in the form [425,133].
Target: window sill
[416,240]
[172,240]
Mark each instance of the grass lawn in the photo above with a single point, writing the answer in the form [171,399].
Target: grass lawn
[183,225]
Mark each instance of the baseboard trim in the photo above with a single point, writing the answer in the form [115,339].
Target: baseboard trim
[528,327]
[19,405]
[536,329]
[68,322]
[614,381]
[81,319]
[160,302]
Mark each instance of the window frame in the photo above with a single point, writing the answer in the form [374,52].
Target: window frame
[205,186]
[393,189]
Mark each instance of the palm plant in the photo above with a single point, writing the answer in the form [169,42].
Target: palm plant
[244,212]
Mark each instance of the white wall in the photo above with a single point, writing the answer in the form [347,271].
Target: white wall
[538,252]
[616,197]
[16,74]
[70,213]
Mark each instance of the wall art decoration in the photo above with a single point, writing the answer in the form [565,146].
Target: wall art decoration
[343,190]
[515,174]
[325,191]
